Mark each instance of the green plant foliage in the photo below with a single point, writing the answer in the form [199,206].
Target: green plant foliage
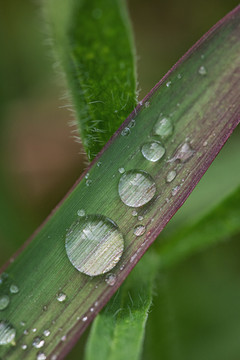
[94,44]
[202,118]
[118,331]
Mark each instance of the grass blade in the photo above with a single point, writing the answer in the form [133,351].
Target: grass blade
[118,331]
[93,42]
[207,115]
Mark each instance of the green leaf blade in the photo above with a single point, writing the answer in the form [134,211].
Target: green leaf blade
[94,43]
[43,269]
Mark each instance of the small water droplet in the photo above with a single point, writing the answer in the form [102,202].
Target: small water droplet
[22,323]
[183,153]
[111,279]
[87,176]
[99,164]
[34,330]
[171,176]
[134,213]
[4,301]
[205,143]
[46,333]
[26,332]
[202,70]
[139,230]
[41,356]
[54,357]
[179,76]
[153,151]
[125,132]
[7,333]
[38,342]
[121,170]
[96,303]
[61,297]
[136,188]
[45,308]
[81,212]
[24,346]
[92,309]
[84,319]
[175,190]
[163,128]
[14,289]
[168,84]
[63,338]
[94,244]
[88,182]
[132,123]
[140,217]
[147,104]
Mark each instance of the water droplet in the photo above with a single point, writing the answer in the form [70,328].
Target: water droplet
[140,217]
[205,143]
[24,346]
[99,164]
[153,151]
[34,330]
[7,333]
[38,342]
[81,212]
[54,357]
[41,356]
[25,332]
[63,338]
[84,319]
[136,188]
[139,230]
[202,70]
[111,279]
[171,176]
[134,213]
[183,153]
[4,301]
[22,323]
[168,84]
[14,289]
[179,76]
[46,333]
[92,309]
[61,297]
[125,132]
[88,182]
[132,123]
[163,128]
[121,170]
[94,244]
[87,176]
[45,308]
[147,104]
[175,190]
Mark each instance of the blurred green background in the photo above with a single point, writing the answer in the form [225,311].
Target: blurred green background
[40,161]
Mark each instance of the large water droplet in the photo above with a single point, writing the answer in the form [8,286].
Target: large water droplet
[4,301]
[7,333]
[163,128]
[136,188]
[94,244]
[38,342]
[153,151]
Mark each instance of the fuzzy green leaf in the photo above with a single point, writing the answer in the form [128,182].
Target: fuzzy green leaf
[205,114]
[94,44]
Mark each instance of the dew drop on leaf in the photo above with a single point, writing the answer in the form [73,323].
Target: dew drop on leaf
[7,333]
[61,297]
[24,346]
[38,342]
[139,230]
[163,128]
[153,151]
[41,356]
[183,153]
[202,70]
[171,176]
[136,188]
[111,279]
[14,289]
[46,333]
[94,244]
[4,301]
[81,212]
